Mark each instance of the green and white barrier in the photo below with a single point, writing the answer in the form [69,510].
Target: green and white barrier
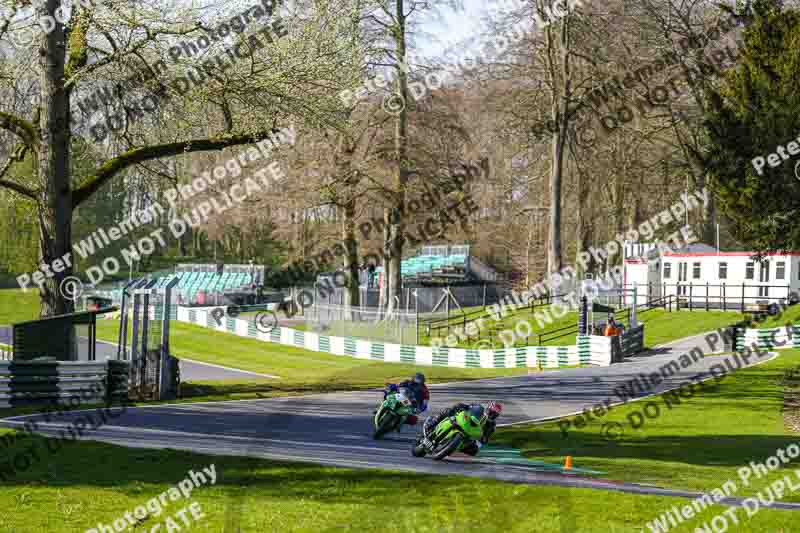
[594,350]
[588,350]
[772,338]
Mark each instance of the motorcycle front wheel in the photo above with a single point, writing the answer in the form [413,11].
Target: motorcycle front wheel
[385,425]
[447,447]
[418,450]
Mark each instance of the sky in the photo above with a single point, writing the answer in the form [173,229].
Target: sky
[454,29]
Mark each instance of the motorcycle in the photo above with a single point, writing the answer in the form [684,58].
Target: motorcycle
[396,407]
[449,436]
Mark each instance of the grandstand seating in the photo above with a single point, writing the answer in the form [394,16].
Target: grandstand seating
[192,283]
[426,266]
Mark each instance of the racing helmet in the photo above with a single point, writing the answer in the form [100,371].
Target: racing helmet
[419,377]
[493,410]
[475,413]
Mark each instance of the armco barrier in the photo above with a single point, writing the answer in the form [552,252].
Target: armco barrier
[588,350]
[632,341]
[52,382]
[772,338]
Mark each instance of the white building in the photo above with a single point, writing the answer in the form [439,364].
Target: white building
[703,277]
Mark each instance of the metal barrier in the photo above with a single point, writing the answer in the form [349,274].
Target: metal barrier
[632,341]
[25,383]
[69,337]
[154,373]
[720,297]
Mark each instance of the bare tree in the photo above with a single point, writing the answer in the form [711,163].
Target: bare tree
[104,43]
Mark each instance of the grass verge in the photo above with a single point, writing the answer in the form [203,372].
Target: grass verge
[697,443]
[17,305]
[88,483]
[661,326]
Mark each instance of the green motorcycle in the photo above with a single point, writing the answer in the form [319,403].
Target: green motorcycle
[393,412]
[449,436]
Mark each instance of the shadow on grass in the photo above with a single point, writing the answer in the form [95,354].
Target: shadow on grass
[699,450]
[130,471]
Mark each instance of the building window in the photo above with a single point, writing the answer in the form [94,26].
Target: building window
[723,271]
[667,270]
[780,270]
[696,270]
[749,270]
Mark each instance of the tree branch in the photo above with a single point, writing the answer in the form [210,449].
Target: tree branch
[113,166]
[19,127]
[78,42]
[17,156]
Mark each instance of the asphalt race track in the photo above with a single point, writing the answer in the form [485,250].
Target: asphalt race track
[335,429]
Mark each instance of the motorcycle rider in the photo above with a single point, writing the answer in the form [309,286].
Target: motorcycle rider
[487,417]
[419,391]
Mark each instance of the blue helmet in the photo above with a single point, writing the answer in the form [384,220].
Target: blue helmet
[419,377]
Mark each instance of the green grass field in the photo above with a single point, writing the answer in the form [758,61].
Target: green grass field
[91,483]
[790,316]
[17,305]
[697,443]
[660,326]
[300,371]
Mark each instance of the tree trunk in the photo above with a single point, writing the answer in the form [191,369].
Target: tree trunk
[182,242]
[394,218]
[351,294]
[393,254]
[554,263]
[559,114]
[53,168]
[708,215]
[528,251]
[580,225]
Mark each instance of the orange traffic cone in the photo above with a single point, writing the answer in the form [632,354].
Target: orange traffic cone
[568,462]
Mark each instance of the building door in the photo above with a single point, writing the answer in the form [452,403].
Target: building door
[682,269]
[763,277]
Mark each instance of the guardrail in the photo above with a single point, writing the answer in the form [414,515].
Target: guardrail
[53,382]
